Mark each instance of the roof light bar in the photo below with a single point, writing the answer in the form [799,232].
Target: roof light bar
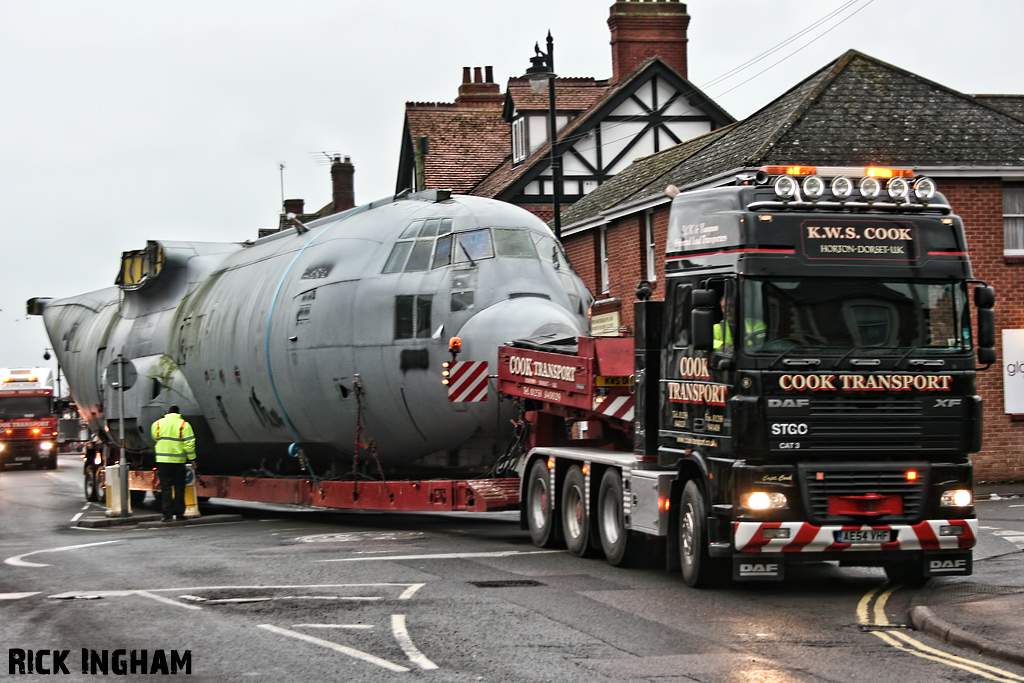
[831,171]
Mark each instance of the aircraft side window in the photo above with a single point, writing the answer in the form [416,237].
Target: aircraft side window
[474,245]
[396,261]
[443,251]
[412,316]
[412,231]
[446,226]
[430,227]
[513,243]
[419,257]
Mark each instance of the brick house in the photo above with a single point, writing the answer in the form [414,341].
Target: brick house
[856,111]
[493,144]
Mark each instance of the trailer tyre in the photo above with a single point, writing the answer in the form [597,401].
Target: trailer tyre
[92,485]
[699,569]
[575,515]
[540,514]
[611,526]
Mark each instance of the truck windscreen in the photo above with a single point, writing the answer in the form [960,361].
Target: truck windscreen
[837,315]
[12,407]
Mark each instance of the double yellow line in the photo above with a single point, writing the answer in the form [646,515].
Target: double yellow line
[875,617]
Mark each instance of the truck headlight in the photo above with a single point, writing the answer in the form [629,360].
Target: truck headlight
[956,498]
[1,448]
[45,445]
[762,500]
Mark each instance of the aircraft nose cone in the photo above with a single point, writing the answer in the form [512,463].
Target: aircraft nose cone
[516,319]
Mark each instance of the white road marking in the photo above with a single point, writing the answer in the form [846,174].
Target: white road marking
[410,650]
[441,556]
[351,652]
[332,626]
[408,592]
[160,598]
[410,589]
[269,598]
[77,517]
[16,561]
[17,596]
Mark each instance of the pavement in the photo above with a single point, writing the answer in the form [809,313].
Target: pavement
[982,613]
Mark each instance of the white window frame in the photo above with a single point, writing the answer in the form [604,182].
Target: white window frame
[1016,188]
[520,143]
[652,251]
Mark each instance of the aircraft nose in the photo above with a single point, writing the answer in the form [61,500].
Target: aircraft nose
[516,319]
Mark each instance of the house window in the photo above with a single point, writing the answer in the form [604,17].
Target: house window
[604,259]
[412,316]
[652,253]
[520,142]
[1013,219]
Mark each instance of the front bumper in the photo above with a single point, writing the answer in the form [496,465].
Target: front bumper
[748,537]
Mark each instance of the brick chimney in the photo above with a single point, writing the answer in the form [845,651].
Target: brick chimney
[343,184]
[294,206]
[644,28]
[480,90]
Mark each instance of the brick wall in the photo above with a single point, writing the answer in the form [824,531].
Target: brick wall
[980,203]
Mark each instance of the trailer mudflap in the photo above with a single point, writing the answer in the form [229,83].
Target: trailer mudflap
[761,567]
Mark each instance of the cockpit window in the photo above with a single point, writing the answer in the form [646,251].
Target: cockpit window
[443,252]
[430,243]
[396,261]
[474,245]
[513,243]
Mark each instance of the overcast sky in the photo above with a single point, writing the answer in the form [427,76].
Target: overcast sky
[128,120]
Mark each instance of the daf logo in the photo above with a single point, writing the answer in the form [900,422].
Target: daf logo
[947,402]
[947,565]
[770,568]
[789,402]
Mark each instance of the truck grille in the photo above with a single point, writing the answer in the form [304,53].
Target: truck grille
[883,479]
[890,423]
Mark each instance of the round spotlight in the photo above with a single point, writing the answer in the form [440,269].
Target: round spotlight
[870,188]
[759,501]
[842,187]
[898,188]
[814,187]
[924,189]
[785,187]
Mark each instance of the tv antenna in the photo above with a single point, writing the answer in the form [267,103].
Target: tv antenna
[325,158]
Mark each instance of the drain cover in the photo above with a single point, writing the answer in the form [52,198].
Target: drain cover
[513,583]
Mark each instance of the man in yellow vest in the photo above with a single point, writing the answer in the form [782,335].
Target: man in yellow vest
[175,445]
[754,330]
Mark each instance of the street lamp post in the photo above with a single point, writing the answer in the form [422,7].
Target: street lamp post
[46,356]
[542,75]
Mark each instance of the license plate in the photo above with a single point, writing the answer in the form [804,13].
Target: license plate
[863,536]
[23,458]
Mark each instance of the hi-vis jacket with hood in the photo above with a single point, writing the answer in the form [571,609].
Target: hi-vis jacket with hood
[175,441]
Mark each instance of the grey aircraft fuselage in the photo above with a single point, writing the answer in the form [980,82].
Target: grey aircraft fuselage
[291,338]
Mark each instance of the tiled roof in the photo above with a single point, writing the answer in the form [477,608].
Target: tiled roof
[855,111]
[1010,104]
[571,94]
[465,143]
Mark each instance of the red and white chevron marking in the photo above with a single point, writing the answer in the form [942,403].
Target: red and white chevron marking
[808,538]
[619,407]
[468,381]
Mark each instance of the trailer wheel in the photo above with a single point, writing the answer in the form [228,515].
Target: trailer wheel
[575,517]
[909,574]
[611,527]
[540,516]
[699,569]
[137,498]
[92,488]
